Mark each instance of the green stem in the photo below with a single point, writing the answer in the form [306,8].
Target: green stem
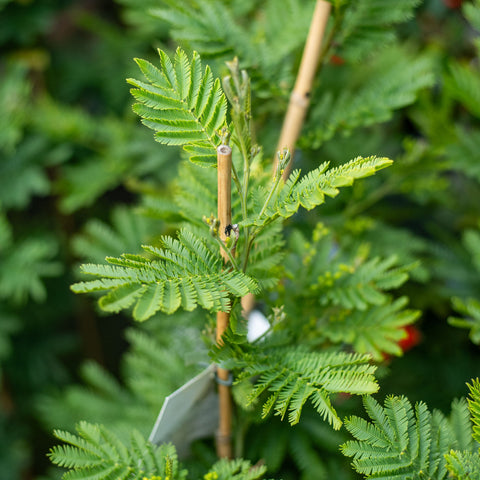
[236,180]
[228,252]
[248,247]
[246,176]
[275,184]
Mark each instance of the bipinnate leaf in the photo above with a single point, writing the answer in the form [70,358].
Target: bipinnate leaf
[474,407]
[183,274]
[97,453]
[310,190]
[402,441]
[182,104]
[293,375]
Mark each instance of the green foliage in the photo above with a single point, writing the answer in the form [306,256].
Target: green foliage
[14,96]
[235,470]
[402,441]
[103,152]
[464,464]
[390,81]
[127,232]
[293,374]
[180,279]
[471,241]
[15,452]
[310,190]
[185,273]
[463,85]
[471,12]
[181,104]
[9,324]
[150,371]
[377,331]
[193,195]
[345,294]
[98,454]
[227,29]
[365,24]
[206,25]
[190,196]
[471,309]
[24,264]
[462,153]
[474,407]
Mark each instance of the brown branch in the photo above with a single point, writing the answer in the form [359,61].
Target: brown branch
[300,96]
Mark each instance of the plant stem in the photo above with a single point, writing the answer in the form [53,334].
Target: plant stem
[300,96]
[226,252]
[224,432]
[236,180]
[270,193]
[243,189]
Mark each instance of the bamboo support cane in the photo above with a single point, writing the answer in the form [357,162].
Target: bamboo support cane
[300,96]
[299,100]
[224,433]
[293,122]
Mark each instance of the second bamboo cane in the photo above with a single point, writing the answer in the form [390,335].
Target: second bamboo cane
[300,97]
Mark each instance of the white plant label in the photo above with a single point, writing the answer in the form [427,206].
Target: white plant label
[189,413]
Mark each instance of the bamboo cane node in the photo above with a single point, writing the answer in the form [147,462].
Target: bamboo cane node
[224,150]
[224,443]
[226,383]
[299,99]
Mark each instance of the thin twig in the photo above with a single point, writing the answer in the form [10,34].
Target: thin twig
[300,96]
[224,432]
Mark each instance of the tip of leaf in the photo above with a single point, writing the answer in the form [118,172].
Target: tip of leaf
[384,162]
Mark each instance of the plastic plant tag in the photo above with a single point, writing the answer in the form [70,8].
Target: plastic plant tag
[189,413]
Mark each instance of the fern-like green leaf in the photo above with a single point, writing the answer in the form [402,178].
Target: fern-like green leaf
[376,331]
[472,14]
[471,309]
[402,442]
[346,294]
[185,273]
[463,465]
[360,287]
[266,255]
[367,24]
[207,26]
[310,190]
[474,407]
[462,155]
[237,469]
[463,84]
[128,230]
[97,454]
[222,30]
[389,81]
[293,375]
[182,104]
[24,267]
